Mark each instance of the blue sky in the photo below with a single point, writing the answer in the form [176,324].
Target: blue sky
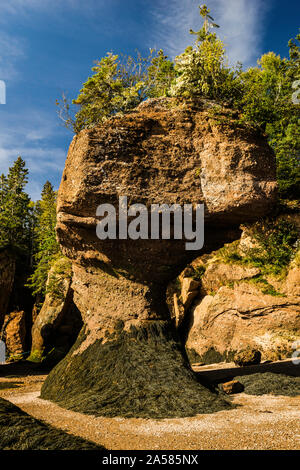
[48,47]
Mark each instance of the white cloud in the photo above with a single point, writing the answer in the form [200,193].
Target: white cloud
[240,21]
[11,51]
[23,7]
[31,135]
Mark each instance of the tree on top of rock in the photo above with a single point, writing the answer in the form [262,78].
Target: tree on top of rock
[202,70]
[267,102]
[203,34]
[117,85]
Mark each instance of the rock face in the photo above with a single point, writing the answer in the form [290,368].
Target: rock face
[7,273]
[127,361]
[236,311]
[58,323]
[15,334]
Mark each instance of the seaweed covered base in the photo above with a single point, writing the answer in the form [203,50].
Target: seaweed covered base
[137,373]
[268,383]
[19,431]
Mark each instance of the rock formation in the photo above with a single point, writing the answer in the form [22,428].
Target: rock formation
[57,325]
[237,309]
[243,316]
[127,360]
[14,333]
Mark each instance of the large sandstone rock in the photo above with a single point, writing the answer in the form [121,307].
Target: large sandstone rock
[127,361]
[14,332]
[241,316]
[7,274]
[241,307]
[58,323]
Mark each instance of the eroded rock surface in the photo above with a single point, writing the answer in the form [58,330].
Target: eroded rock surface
[161,153]
[14,333]
[58,323]
[238,308]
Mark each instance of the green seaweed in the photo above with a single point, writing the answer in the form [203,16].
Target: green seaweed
[211,356]
[20,431]
[268,383]
[8,385]
[138,373]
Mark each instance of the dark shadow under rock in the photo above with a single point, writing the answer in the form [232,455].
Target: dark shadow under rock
[137,373]
[20,431]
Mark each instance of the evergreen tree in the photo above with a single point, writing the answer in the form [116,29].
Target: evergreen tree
[208,23]
[267,102]
[3,192]
[117,86]
[15,208]
[160,75]
[202,70]
[46,246]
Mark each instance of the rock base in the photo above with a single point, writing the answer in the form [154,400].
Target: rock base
[137,373]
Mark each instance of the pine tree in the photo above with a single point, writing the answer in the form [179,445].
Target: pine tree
[202,70]
[203,34]
[15,208]
[267,102]
[45,245]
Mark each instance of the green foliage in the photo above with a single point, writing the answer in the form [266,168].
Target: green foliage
[275,245]
[266,101]
[202,70]
[61,269]
[198,272]
[15,209]
[208,23]
[265,287]
[111,90]
[160,75]
[45,244]
[118,85]
[229,253]
[262,95]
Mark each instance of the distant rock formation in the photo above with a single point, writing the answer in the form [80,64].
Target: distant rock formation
[57,325]
[14,333]
[127,360]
